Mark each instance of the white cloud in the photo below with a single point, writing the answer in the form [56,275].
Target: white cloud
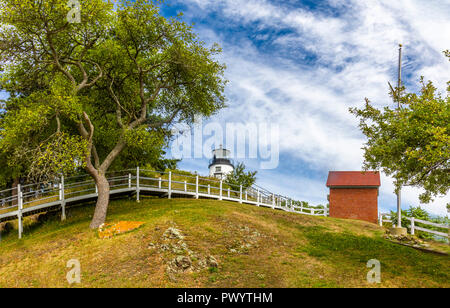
[356,56]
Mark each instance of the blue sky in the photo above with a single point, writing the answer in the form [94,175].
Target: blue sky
[302,64]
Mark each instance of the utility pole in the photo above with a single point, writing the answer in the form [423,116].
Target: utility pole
[399,83]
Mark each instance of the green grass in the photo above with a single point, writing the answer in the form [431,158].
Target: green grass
[289,250]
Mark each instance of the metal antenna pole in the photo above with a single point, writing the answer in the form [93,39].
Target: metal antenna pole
[399,83]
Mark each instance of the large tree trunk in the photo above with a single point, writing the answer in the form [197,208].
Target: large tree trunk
[101,207]
[98,171]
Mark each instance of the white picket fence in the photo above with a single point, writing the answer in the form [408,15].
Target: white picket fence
[413,227]
[381,218]
[33,198]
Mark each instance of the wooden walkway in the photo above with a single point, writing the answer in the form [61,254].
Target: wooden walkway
[31,199]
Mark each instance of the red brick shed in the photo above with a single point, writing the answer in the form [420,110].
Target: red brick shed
[354,194]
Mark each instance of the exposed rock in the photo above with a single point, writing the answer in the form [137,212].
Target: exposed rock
[202,264]
[176,250]
[180,264]
[185,260]
[212,262]
[170,274]
[164,247]
[406,239]
[173,233]
[249,238]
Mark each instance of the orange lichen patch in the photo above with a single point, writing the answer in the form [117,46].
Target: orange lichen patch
[110,230]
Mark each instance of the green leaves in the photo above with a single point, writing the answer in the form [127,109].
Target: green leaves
[60,154]
[412,143]
[240,177]
[112,85]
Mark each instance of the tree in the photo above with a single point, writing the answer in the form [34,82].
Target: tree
[410,144]
[240,177]
[112,87]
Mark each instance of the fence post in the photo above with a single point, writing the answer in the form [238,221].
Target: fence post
[169,194]
[246,195]
[257,197]
[412,225]
[380,219]
[138,191]
[228,193]
[129,180]
[19,209]
[209,189]
[313,211]
[159,183]
[62,198]
[185,186]
[196,187]
[240,194]
[273,201]
[220,194]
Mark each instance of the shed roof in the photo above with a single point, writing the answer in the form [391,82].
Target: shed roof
[353,179]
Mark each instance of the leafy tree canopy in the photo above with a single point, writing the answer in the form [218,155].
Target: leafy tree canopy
[100,94]
[240,177]
[411,143]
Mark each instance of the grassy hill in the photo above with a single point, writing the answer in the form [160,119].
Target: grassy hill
[253,247]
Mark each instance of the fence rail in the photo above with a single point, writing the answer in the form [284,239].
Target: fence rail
[413,227]
[33,198]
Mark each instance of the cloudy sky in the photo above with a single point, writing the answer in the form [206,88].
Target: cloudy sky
[300,65]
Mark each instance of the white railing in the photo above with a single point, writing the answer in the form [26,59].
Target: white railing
[381,218]
[32,198]
[413,227]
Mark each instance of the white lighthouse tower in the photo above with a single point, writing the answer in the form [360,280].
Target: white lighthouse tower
[221,164]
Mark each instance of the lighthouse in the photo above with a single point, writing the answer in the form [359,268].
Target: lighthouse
[221,164]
